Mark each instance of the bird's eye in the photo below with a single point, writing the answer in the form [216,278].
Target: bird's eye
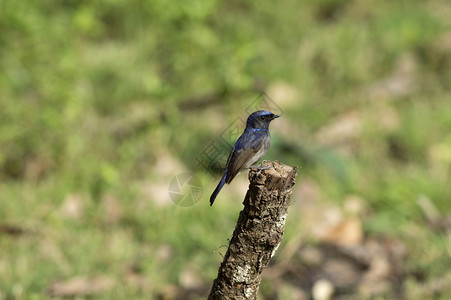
[262,118]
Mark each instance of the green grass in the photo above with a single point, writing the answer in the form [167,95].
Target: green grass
[115,98]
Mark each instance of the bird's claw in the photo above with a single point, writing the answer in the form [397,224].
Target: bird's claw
[259,168]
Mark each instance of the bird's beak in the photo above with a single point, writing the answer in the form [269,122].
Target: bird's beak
[275,116]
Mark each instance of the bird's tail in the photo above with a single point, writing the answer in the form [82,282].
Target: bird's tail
[218,188]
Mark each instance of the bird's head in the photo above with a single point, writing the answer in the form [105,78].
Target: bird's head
[260,119]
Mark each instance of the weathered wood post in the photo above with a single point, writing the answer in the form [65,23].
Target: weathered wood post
[258,232]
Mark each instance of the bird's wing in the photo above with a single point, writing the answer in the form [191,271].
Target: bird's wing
[239,157]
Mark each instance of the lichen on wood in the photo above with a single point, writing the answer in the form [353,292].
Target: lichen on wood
[258,232]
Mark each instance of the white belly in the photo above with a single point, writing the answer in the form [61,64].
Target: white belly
[257,157]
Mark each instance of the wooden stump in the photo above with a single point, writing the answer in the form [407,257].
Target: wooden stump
[258,232]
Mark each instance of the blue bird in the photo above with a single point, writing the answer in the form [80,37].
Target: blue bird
[249,148]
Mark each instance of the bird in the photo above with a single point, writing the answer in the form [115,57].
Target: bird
[249,148]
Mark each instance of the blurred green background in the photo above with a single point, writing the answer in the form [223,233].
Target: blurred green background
[102,103]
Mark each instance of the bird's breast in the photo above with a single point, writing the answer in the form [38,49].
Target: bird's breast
[260,153]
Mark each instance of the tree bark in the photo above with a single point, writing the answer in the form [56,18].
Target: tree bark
[257,234]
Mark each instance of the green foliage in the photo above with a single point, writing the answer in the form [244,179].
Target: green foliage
[111,99]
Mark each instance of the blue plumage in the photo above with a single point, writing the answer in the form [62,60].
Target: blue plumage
[249,148]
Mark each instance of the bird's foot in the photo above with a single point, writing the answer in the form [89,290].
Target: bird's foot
[259,167]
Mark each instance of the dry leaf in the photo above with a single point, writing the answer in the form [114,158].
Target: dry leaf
[354,205]
[283,93]
[12,230]
[112,209]
[164,252]
[154,192]
[387,118]
[81,286]
[323,219]
[166,165]
[307,194]
[134,277]
[190,279]
[72,207]
[348,232]
[343,273]
[342,130]
[311,256]
[322,289]
[399,84]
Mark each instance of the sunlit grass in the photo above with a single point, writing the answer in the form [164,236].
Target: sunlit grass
[102,105]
